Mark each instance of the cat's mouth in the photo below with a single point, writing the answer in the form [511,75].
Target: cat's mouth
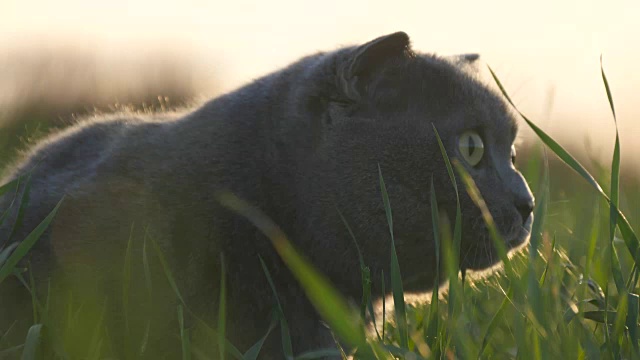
[523,236]
[483,255]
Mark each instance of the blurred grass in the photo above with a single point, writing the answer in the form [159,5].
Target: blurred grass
[45,89]
[573,295]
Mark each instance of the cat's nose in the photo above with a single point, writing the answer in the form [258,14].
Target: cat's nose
[525,207]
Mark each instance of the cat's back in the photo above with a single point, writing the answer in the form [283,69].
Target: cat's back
[79,164]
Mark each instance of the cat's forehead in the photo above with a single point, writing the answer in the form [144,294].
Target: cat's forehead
[445,92]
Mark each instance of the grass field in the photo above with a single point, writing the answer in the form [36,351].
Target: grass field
[572,295]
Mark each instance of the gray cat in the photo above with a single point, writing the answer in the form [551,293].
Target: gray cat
[302,144]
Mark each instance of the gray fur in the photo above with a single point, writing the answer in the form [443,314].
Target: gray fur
[299,144]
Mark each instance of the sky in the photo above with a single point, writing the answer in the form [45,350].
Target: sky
[547,52]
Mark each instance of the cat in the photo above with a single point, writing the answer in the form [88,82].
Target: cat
[304,144]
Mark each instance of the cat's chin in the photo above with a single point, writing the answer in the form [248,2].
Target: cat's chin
[482,262]
[486,257]
[523,235]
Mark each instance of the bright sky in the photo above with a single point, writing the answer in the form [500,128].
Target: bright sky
[546,51]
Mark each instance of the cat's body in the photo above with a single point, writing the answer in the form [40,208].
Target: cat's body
[300,144]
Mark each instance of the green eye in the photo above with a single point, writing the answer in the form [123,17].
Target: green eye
[471,147]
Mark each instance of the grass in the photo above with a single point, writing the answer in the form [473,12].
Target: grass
[573,294]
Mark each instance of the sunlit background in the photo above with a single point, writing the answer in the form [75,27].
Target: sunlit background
[77,54]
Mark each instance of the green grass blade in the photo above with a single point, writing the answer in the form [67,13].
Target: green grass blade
[535,239]
[184,335]
[552,144]
[145,264]
[384,302]
[628,234]
[254,351]
[615,269]
[495,320]
[632,320]
[353,237]
[12,352]
[452,250]
[387,205]
[31,343]
[229,348]
[615,190]
[447,162]
[396,277]
[4,254]
[365,275]
[608,90]
[534,292]
[126,281]
[593,240]
[24,247]
[287,348]
[603,316]
[564,155]
[324,297]
[543,277]
[222,309]
[213,334]
[96,342]
[433,325]
[457,230]
[620,320]
[476,197]
[13,184]
[498,243]
[167,270]
[34,296]
[632,280]
[24,202]
[367,281]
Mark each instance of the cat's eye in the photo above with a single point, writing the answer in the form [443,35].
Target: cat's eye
[513,154]
[471,147]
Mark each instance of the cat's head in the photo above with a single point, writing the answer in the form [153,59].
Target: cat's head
[385,104]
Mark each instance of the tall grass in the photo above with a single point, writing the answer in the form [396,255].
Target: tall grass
[573,294]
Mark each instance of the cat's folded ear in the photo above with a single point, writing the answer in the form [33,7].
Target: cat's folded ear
[469,60]
[365,61]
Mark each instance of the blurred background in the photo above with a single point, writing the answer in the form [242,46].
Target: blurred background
[67,58]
